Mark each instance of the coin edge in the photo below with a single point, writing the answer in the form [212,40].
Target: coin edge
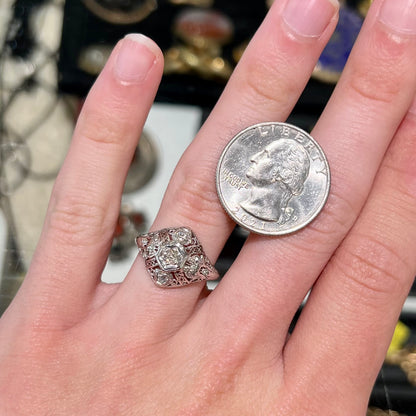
[247,227]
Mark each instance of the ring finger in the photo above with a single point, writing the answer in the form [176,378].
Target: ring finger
[265,86]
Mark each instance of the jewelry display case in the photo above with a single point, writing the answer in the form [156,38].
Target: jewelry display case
[198,38]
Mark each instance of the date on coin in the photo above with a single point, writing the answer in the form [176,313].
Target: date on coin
[273,178]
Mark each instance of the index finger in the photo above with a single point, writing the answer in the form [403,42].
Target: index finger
[85,201]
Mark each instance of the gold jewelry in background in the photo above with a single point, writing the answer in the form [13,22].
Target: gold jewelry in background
[406,360]
[239,50]
[373,411]
[196,3]
[364,6]
[401,354]
[93,58]
[201,35]
[138,12]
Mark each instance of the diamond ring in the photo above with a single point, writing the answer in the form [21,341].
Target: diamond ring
[174,257]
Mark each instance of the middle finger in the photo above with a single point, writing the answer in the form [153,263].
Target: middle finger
[355,129]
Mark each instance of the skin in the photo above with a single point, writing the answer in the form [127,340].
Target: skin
[71,345]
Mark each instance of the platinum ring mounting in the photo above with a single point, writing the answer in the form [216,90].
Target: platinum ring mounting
[174,257]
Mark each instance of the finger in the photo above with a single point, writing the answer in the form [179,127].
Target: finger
[265,86]
[274,274]
[355,304]
[85,201]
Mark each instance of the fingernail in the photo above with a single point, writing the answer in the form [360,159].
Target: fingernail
[400,15]
[136,57]
[309,18]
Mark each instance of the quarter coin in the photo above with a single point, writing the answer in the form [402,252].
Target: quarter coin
[273,178]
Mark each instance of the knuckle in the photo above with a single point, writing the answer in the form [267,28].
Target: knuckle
[264,84]
[106,125]
[380,73]
[401,186]
[339,216]
[399,170]
[262,91]
[372,268]
[77,223]
[221,371]
[195,197]
[363,85]
[336,220]
[102,130]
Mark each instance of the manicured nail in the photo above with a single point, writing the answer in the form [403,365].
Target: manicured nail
[136,57]
[309,18]
[400,15]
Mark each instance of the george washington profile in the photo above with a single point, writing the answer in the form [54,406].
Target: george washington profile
[277,174]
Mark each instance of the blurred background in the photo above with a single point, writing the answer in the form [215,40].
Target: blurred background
[50,54]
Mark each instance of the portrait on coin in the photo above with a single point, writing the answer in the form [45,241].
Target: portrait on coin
[277,174]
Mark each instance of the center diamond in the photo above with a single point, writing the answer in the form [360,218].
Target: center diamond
[171,256]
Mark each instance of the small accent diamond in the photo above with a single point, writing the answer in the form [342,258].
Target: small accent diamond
[162,277]
[204,271]
[183,236]
[192,265]
[152,249]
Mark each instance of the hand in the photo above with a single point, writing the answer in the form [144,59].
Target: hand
[71,345]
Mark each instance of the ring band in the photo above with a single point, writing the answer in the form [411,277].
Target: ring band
[174,257]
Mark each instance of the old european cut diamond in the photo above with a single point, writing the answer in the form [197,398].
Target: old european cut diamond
[162,277]
[192,265]
[152,249]
[204,271]
[171,256]
[183,236]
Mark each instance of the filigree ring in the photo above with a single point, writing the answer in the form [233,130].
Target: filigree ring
[174,257]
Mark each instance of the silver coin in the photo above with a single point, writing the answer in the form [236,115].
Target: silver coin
[273,178]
